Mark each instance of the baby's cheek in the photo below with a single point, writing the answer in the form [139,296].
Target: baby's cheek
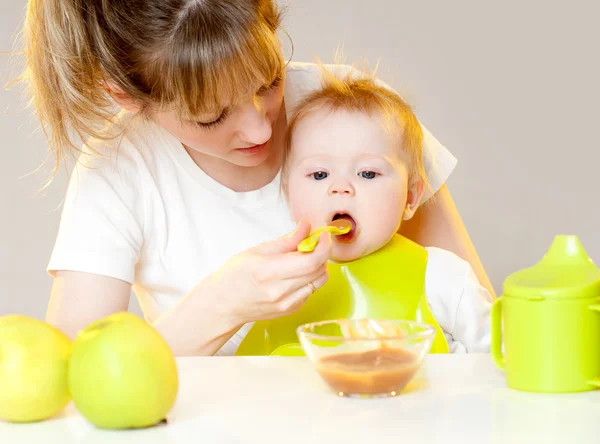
[386,218]
[292,196]
[300,205]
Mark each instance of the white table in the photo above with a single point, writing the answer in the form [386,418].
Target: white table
[454,398]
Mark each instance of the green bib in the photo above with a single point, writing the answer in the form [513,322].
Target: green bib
[387,284]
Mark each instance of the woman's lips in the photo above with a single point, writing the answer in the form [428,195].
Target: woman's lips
[252,149]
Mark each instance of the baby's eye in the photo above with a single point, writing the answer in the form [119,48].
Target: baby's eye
[368,174]
[320,175]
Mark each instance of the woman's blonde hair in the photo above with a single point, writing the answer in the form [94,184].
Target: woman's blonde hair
[185,55]
[360,92]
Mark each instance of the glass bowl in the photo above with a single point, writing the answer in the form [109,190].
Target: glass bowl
[366,357]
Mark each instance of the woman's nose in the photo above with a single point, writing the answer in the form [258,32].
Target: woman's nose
[256,126]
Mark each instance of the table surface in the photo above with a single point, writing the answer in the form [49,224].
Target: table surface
[453,398]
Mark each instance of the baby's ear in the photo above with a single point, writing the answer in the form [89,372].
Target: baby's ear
[416,188]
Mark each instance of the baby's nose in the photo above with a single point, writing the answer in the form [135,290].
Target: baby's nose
[342,187]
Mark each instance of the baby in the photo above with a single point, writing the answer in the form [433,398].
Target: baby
[353,150]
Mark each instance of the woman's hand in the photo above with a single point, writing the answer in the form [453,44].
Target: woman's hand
[264,282]
[272,279]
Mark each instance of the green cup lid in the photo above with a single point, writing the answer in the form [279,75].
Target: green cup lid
[565,272]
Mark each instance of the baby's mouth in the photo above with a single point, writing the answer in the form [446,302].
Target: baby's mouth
[352,234]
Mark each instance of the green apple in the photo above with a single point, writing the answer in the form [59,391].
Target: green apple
[34,358]
[122,374]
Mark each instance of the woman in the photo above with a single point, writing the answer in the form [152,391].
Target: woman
[173,193]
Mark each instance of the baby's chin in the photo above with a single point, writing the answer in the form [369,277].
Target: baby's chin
[350,252]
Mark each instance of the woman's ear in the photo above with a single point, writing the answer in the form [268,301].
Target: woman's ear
[120,97]
[415,194]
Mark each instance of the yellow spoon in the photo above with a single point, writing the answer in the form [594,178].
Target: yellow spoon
[337,227]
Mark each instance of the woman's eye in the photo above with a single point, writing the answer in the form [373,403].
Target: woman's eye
[274,85]
[368,174]
[320,175]
[276,82]
[214,123]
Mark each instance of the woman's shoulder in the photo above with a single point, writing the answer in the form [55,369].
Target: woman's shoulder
[133,144]
[306,75]
[309,69]
[302,78]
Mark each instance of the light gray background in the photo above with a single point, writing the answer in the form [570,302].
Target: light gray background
[510,87]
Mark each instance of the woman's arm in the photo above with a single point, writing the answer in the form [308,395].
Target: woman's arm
[79,298]
[268,281]
[438,224]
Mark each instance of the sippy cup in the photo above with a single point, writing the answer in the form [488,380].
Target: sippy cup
[549,322]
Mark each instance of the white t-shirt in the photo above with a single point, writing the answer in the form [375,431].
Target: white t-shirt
[148,215]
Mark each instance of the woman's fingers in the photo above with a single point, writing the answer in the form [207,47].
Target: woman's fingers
[292,285]
[297,298]
[296,265]
[276,280]
[287,243]
[279,289]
